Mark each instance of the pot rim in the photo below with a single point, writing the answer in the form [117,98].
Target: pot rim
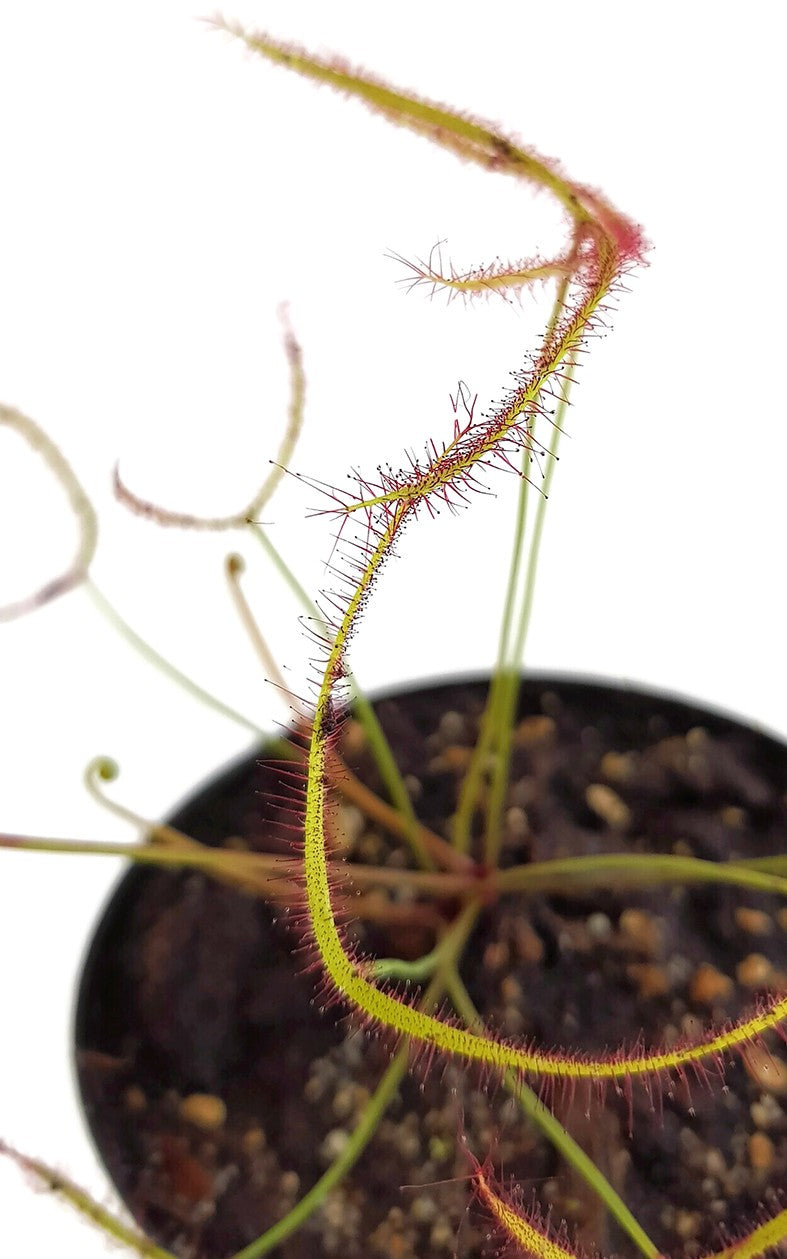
[717,720]
[717,716]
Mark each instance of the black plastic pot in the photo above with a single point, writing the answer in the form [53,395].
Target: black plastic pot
[197,1033]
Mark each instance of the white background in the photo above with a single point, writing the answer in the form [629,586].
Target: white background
[162,193]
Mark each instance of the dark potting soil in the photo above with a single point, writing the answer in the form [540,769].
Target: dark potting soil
[218,1092]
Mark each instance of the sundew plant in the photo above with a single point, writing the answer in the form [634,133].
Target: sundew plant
[503,445]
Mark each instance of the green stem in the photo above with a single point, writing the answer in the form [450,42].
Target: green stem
[554,1131]
[392,779]
[168,847]
[498,713]
[199,857]
[284,571]
[544,877]
[86,1205]
[637,870]
[153,657]
[776,864]
[503,649]
[515,660]
[509,675]
[415,972]
[365,714]
[359,1139]
[372,1112]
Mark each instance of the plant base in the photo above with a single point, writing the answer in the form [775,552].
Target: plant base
[217,1092]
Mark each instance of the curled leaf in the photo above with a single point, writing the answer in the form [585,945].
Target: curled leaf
[80,504]
[250,513]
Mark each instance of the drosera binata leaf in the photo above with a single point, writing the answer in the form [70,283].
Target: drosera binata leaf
[86,1205]
[80,504]
[528,1234]
[603,246]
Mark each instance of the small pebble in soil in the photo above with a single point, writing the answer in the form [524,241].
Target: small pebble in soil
[423,1210]
[394,1238]
[333,1145]
[455,758]
[608,805]
[710,1187]
[618,767]
[687,1224]
[440,1150]
[767,1069]
[651,980]
[679,968]
[452,727]
[598,926]
[667,1217]
[761,1152]
[289,1184]
[527,942]
[350,1101]
[766,1111]
[204,1110]
[253,1140]
[753,921]
[516,822]
[755,971]
[709,985]
[414,787]
[511,989]
[530,731]
[350,826]
[322,1075]
[715,1164]
[408,1140]
[643,930]
[442,1235]
[496,955]
[135,1099]
[340,1219]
